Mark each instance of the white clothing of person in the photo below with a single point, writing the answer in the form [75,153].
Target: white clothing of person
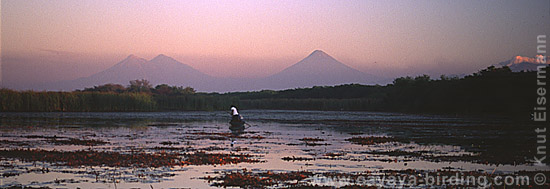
[234,111]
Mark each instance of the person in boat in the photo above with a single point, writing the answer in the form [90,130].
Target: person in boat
[235,114]
[236,120]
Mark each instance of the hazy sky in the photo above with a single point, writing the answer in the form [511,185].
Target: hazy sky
[258,38]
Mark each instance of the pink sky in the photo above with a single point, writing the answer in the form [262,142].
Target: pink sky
[223,37]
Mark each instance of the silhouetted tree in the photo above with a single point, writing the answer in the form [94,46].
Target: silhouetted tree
[107,88]
[183,91]
[140,86]
[163,89]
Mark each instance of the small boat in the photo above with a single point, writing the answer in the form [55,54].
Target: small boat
[236,125]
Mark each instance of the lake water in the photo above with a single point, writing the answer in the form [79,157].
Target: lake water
[274,141]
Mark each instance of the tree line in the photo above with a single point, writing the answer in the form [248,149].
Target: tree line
[489,91]
[140,95]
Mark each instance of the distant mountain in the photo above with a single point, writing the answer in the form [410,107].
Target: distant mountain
[159,70]
[128,69]
[317,69]
[164,69]
[521,63]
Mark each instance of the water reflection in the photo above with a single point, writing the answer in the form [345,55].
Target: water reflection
[280,141]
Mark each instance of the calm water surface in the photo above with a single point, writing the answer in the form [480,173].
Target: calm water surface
[497,144]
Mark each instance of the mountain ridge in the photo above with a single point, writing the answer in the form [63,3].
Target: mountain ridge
[318,68]
[523,63]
